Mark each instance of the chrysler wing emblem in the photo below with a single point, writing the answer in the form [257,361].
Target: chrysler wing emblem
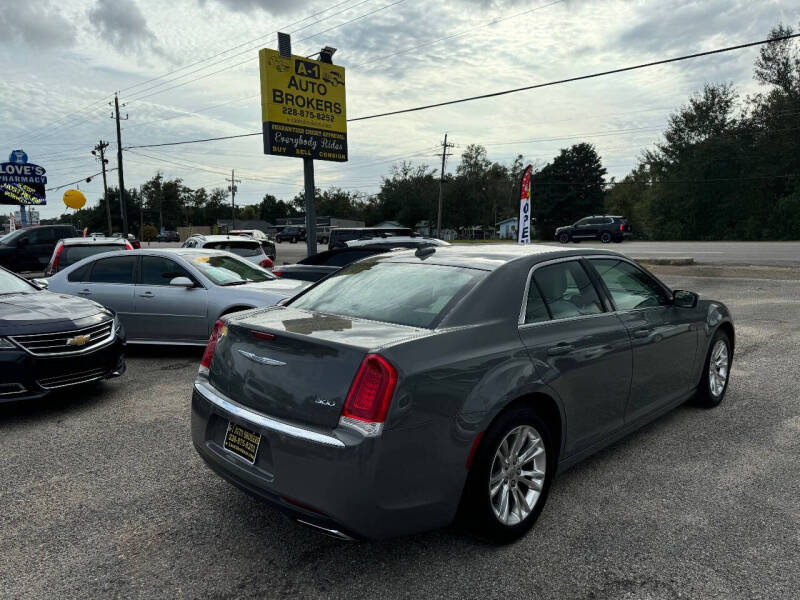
[264,360]
[78,340]
[324,402]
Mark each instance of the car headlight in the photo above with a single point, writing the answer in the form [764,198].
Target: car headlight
[6,344]
[117,324]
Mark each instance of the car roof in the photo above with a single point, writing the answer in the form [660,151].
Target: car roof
[487,256]
[395,239]
[225,238]
[91,240]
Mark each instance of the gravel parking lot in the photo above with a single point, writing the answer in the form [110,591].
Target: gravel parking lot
[103,495]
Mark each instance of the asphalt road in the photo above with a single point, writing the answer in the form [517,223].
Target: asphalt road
[103,496]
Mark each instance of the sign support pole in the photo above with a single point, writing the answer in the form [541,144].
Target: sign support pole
[23,219]
[311,215]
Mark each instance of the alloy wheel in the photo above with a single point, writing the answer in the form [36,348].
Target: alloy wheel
[718,368]
[516,478]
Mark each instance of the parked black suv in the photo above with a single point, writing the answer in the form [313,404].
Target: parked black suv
[168,236]
[30,249]
[606,228]
[291,234]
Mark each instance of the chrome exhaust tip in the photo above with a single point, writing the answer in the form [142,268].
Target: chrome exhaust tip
[334,533]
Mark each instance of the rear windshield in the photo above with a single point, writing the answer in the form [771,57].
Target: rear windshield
[228,270]
[238,248]
[72,254]
[404,293]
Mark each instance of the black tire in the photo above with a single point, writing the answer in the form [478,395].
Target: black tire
[605,237]
[476,513]
[563,238]
[705,397]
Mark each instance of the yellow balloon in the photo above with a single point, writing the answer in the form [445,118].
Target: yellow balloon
[74,199]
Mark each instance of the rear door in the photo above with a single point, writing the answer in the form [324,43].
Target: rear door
[663,336]
[111,282]
[581,350]
[165,312]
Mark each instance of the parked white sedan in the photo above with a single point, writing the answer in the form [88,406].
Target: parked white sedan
[172,295]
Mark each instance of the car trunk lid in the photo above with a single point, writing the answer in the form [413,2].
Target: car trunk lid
[296,364]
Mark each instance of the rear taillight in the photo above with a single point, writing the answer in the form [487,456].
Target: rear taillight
[53,266]
[137,245]
[128,245]
[277,273]
[621,227]
[370,396]
[267,263]
[220,329]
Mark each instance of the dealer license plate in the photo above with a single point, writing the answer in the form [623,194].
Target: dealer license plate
[242,442]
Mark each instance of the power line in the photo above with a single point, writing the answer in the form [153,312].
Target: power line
[251,59]
[510,91]
[202,60]
[51,189]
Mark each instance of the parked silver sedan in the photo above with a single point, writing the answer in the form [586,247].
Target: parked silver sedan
[172,295]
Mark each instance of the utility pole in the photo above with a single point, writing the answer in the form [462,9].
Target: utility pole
[119,168]
[101,147]
[232,187]
[445,154]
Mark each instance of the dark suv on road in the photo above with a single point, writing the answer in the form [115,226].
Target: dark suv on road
[30,249]
[606,228]
[291,234]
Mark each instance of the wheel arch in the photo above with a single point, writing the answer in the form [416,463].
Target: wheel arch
[727,327]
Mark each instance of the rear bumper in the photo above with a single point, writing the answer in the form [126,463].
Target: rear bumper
[26,377]
[335,480]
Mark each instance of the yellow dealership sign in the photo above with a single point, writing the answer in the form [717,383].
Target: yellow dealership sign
[302,107]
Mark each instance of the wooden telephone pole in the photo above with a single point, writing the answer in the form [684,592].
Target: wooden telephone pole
[101,147]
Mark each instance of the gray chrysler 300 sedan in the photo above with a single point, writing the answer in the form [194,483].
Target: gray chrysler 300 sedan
[412,389]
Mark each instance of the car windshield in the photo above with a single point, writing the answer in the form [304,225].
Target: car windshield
[11,284]
[229,270]
[239,248]
[11,238]
[403,293]
[72,254]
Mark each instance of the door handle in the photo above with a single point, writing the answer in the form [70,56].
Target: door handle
[147,295]
[85,292]
[642,333]
[560,350]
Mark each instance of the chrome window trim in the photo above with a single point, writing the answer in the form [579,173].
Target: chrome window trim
[237,410]
[577,258]
[640,268]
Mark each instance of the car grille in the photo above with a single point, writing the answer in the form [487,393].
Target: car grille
[50,383]
[67,342]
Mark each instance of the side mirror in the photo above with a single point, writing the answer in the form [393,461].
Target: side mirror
[684,299]
[183,282]
[40,282]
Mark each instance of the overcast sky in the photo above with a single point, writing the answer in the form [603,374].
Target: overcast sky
[63,59]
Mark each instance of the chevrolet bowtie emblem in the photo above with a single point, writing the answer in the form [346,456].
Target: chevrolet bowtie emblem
[78,340]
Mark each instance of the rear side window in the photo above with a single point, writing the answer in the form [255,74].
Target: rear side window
[160,271]
[72,254]
[238,248]
[117,269]
[403,293]
[629,286]
[80,274]
[566,290]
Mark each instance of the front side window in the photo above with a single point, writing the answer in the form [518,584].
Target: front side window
[157,270]
[403,293]
[629,286]
[117,269]
[566,290]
